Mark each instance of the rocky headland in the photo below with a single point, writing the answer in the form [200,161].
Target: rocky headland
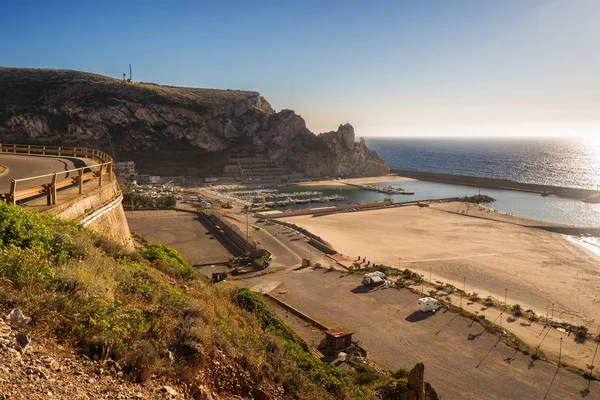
[191,131]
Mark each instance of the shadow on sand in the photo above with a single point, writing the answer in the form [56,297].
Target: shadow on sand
[362,289]
[418,316]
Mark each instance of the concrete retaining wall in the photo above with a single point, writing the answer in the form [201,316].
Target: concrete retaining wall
[113,224]
[110,221]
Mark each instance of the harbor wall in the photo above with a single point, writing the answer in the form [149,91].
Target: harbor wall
[496,183]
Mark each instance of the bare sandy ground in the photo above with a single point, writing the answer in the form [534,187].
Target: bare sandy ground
[356,181]
[486,251]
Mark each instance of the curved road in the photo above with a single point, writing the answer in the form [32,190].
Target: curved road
[23,166]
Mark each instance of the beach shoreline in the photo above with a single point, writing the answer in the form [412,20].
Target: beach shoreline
[489,251]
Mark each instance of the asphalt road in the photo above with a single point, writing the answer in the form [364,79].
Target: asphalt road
[22,166]
[287,246]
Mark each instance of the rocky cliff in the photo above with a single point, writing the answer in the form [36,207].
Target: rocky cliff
[190,131]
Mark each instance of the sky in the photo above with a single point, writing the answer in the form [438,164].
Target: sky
[406,68]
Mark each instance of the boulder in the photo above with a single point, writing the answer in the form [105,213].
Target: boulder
[17,319]
[23,340]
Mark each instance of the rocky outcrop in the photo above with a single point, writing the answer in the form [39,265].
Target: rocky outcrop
[415,389]
[191,131]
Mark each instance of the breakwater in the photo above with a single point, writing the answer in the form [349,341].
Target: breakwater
[495,183]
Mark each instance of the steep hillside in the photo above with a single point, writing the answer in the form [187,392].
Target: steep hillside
[191,131]
[104,319]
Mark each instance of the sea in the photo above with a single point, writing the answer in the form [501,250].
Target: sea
[559,162]
[571,163]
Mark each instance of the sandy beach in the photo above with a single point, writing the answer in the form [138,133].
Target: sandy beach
[492,251]
[355,181]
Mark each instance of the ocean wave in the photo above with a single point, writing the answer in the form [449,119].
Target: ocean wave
[590,243]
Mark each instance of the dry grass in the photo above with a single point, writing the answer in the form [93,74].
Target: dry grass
[155,315]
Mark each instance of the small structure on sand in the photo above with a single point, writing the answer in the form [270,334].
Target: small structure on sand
[338,339]
[218,276]
[373,278]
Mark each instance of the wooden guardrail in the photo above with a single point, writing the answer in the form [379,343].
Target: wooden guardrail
[50,182]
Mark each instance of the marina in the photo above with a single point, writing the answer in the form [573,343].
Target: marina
[274,198]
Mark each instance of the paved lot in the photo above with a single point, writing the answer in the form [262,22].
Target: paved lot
[180,230]
[461,361]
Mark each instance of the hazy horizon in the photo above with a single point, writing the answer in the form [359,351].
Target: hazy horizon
[466,68]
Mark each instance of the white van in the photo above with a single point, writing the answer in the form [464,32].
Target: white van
[428,304]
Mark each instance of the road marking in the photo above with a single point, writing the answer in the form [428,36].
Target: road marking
[453,258]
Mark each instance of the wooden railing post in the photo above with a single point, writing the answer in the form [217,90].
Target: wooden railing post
[80,180]
[44,150]
[59,151]
[13,189]
[109,170]
[28,149]
[14,148]
[100,175]
[53,189]
[48,191]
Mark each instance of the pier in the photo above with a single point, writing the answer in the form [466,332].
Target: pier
[382,189]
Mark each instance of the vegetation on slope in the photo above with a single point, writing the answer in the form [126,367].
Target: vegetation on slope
[24,84]
[154,314]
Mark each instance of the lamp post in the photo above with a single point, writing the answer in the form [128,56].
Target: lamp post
[560,352]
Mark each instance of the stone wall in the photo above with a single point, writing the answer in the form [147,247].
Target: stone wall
[112,223]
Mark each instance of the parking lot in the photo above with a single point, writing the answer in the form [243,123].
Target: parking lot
[180,230]
[461,361]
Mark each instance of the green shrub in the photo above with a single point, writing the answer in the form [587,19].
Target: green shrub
[174,263]
[589,376]
[400,373]
[516,310]
[581,332]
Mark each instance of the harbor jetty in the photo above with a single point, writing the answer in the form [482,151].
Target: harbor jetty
[382,189]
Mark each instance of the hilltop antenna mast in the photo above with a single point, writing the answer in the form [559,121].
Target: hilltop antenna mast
[130,78]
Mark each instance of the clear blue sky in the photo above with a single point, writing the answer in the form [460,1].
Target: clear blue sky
[388,67]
